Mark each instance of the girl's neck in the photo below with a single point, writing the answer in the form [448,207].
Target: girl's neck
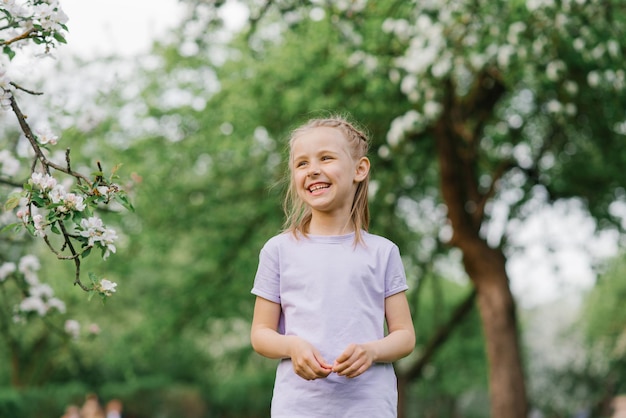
[330,225]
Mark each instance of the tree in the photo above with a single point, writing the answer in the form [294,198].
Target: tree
[43,197]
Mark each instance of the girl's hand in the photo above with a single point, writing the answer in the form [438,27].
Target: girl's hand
[307,362]
[354,361]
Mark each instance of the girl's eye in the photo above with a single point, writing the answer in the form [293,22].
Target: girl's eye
[326,157]
[300,163]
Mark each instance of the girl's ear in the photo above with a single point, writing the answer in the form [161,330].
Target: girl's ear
[362,170]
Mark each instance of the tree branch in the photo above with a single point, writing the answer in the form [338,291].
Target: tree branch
[441,336]
[25,35]
[28,133]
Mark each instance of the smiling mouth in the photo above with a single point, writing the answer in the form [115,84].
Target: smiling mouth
[317,187]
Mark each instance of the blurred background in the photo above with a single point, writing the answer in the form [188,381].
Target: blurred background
[498,151]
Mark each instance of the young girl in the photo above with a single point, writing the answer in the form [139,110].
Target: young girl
[325,287]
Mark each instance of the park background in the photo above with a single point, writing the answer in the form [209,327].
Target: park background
[199,121]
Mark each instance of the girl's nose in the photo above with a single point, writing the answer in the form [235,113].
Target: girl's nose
[314,171]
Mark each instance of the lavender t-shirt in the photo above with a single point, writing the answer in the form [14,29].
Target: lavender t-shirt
[332,293]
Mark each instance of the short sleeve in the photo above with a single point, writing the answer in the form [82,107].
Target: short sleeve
[267,279]
[395,276]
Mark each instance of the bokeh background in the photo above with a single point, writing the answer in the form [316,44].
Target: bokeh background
[195,99]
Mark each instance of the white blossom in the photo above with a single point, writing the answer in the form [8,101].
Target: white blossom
[593,78]
[41,290]
[72,327]
[554,106]
[103,190]
[554,68]
[95,231]
[598,52]
[57,304]
[409,84]
[432,109]
[15,8]
[442,67]
[6,269]
[107,287]
[57,193]
[28,264]
[571,87]
[46,136]
[33,304]
[579,44]
[409,122]
[613,47]
[515,30]
[505,52]
[72,201]
[43,181]
[50,16]
[40,225]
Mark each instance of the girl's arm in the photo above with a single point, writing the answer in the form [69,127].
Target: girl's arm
[307,361]
[398,343]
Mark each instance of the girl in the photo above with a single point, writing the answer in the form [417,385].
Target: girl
[325,287]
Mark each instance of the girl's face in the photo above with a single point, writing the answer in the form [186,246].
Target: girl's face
[324,172]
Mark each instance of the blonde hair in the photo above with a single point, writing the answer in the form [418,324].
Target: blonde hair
[298,214]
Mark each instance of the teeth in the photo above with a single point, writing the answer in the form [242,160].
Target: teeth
[317,187]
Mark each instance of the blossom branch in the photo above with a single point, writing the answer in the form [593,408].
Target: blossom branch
[28,133]
[23,36]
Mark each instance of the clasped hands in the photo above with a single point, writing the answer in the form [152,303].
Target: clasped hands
[309,364]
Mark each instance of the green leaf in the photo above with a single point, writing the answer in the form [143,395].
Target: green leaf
[123,200]
[38,201]
[86,252]
[15,226]
[31,228]
[7,50]
[12,202]
[54,229]
[59,38]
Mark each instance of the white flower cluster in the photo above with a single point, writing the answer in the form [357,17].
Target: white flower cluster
[44,182]
[15,8]
[50,16]
[46,136]
[47,14]
[94,230]
[62,200]
[107,287]
[39,296]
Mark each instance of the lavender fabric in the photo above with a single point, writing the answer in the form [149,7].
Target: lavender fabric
[332,293]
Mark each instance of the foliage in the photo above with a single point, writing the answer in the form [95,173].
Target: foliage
[202,125]
[605,326]
[43,197]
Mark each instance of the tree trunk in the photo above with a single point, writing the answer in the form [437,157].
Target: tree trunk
[403,387]
[486,268]
[440,336]
[457,136]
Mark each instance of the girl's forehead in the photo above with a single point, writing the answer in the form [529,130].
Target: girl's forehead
[319,137]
